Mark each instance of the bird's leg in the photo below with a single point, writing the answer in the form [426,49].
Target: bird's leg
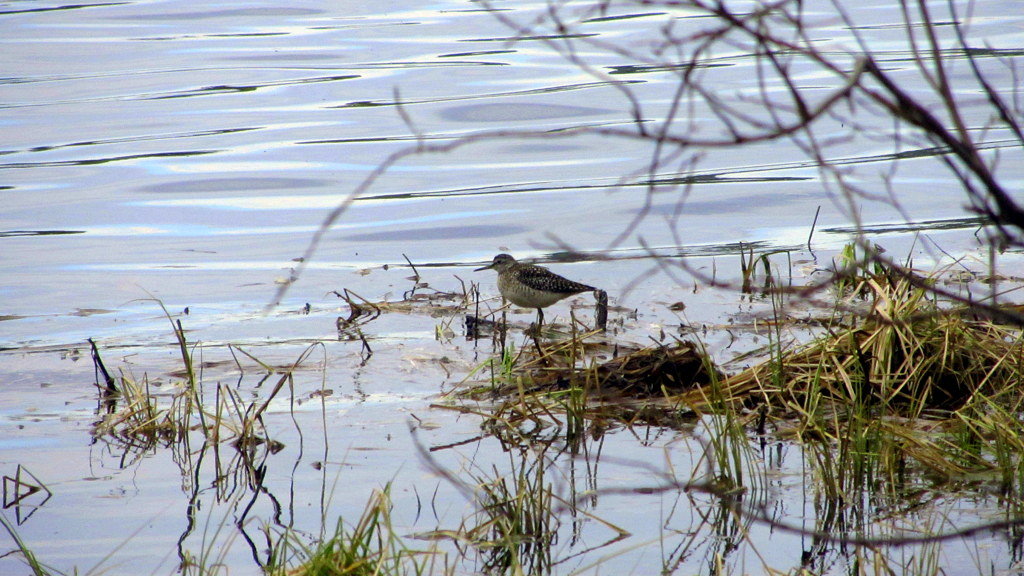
[536,332]
[502,325]
[601,310]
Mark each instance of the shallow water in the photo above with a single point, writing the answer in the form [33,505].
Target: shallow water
[188,153]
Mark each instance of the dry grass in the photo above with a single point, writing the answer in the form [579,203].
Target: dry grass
[912,385]
[135,419]
[908,356]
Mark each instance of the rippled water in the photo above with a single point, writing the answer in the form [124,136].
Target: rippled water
[188,152]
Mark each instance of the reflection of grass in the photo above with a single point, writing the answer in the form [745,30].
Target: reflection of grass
[519,511]
[369,547]
[517,525]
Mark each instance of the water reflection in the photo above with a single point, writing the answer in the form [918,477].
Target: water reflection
[64,7]
[109,160]
[236,183]
[515,112]
[436,232]
[12,233]
[256,12]
[221,446]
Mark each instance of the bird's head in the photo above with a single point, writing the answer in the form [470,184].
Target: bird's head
[501,262]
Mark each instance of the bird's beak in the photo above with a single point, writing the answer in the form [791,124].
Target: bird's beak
[488,267]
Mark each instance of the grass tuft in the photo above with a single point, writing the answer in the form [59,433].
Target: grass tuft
[370,547]
[908,357]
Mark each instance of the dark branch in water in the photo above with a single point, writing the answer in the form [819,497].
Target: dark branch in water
[110,384]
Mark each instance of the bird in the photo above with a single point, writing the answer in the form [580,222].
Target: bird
[532,286]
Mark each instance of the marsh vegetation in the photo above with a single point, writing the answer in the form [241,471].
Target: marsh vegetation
[846,408]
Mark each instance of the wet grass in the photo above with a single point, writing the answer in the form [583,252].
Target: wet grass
[909,401]
[137,419]
[900,404]
[907,357]
[36,568]
[370,546]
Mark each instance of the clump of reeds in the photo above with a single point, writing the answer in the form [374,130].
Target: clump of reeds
[369,547]
[134,418]
[914,388]
[908,355]
[653,372]
[137,420]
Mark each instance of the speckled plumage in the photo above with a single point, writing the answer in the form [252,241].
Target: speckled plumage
[532,286]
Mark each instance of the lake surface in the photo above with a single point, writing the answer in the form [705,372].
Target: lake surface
[186,154]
